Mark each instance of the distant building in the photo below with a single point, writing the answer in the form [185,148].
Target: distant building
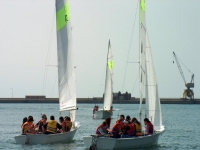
[121,96]
[35,97]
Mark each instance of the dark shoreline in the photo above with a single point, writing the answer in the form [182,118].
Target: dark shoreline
[99,100]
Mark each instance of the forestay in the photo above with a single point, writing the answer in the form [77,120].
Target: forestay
[108,93]
[153,108]
[142,53]
[66,77]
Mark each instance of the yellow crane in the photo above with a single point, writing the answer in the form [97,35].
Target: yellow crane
[188,93]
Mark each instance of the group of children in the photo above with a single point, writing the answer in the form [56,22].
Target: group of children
[124,128]
[44,127]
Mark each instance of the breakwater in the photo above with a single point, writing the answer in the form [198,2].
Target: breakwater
[97,100]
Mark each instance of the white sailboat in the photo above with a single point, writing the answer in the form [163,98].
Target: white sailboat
[66,79]
[108,93]
[148,90]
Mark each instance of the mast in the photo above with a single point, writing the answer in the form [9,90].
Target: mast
[66,77]
[108,93]
[142,52]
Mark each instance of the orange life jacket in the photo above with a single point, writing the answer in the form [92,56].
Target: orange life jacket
[115,128]
[121,124]
[24,131]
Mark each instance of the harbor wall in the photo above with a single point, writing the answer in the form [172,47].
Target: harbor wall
[99,100]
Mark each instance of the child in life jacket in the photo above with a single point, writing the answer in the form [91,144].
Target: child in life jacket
[138,127]
[63,125]
[25,119]
[28,127]
[102,129]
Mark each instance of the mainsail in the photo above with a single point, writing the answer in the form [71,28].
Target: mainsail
[142,49]
[153,108]
[108,93]
[66,77]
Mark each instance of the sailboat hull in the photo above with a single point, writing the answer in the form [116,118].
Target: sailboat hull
[102,114]
[47,139]
[123,143]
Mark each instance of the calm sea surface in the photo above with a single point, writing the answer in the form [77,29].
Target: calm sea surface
[182,123]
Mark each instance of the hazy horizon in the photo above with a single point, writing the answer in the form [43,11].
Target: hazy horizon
[28,43]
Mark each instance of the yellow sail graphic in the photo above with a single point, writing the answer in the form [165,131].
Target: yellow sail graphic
[62,16]
[110,64]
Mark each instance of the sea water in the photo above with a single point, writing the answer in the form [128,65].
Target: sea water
[181,121]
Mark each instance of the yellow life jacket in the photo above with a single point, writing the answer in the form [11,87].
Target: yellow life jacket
[52,126]
[138,129]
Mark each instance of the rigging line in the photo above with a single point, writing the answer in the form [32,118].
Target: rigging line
[48,54]
[184,64]
[129,47]
[128,52]
[54,85]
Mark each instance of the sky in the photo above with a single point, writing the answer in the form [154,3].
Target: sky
[28,53]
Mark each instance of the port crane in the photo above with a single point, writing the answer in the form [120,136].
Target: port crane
[187,92]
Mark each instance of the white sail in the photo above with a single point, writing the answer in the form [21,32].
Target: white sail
[108,93]
[66,76]
[153,108]
[142,49]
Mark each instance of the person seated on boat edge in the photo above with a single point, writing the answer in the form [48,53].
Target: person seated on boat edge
[148,127]
[121,119]
[41,123]
[63,124]
[51,126]
[28,127]
[25,119]
[68,123]
[102,129]
[138,127]
[117,129]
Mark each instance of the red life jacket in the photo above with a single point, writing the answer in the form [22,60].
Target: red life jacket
[115,129]
[131,132]
[150,127]
[121,124]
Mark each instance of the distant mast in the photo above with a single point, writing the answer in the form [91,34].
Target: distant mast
[108,93]
[142,52]
[66,77]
